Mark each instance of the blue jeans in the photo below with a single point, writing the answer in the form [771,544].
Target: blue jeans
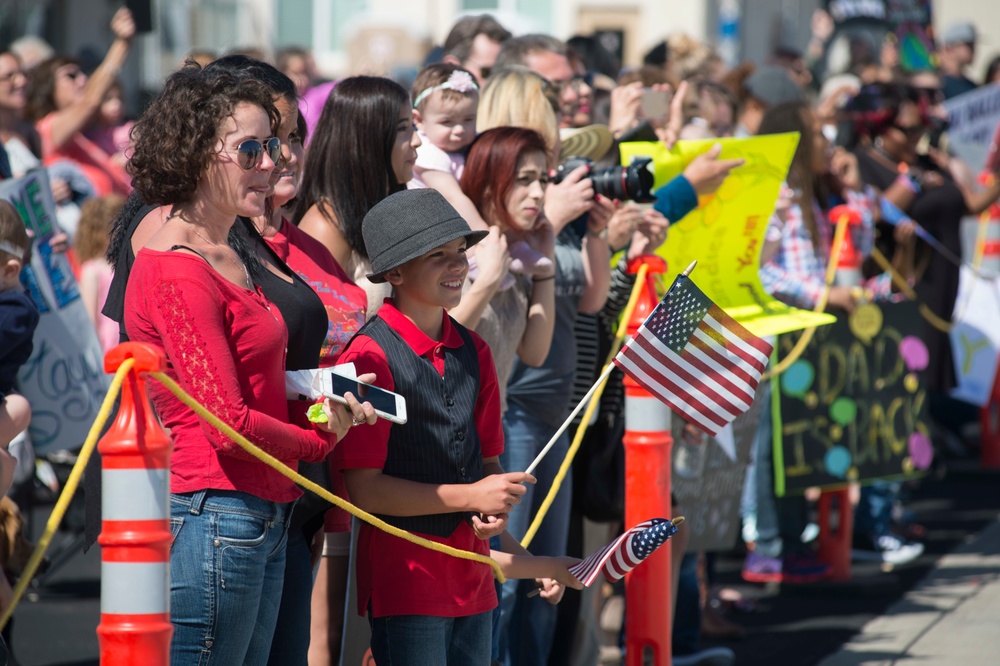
[495,645]
[686,637]
[873,515]
[527,625]
[290,646]
[780,520]
[227,562]
[427,640]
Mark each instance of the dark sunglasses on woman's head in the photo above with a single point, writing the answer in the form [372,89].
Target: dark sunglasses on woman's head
[250,152]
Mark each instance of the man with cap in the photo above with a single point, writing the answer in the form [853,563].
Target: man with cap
[958,50]
[438,474]
[768,86]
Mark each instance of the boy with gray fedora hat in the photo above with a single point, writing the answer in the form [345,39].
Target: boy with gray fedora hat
[438,474]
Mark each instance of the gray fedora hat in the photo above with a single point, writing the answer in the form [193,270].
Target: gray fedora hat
[409,223]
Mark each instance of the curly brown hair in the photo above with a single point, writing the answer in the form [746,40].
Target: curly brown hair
[94,233]
[177,134]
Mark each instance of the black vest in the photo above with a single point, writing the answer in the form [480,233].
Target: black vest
[438,443]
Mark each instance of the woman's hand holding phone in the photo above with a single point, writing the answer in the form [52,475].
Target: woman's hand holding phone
[341,418]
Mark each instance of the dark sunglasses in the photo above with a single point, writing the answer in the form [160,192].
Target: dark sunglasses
[933,94]
[250,153]
[912,131]
[576,82]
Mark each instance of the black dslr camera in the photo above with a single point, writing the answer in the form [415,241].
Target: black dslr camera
[631,183]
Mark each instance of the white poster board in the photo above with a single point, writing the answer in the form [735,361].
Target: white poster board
[972,119]
[975,338]
[64,378]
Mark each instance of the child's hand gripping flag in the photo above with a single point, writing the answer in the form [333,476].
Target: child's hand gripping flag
[696,358]
[626,552]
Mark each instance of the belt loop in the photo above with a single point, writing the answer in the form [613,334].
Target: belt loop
[197,502]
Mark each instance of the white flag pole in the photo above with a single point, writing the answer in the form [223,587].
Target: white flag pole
[572,415]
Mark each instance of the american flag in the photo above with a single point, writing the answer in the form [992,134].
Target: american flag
[624,553]
[696,358]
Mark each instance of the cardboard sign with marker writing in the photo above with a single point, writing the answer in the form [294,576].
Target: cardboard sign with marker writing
[853,407]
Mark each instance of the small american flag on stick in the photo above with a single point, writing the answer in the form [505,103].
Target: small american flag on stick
[624,553]
[696,358]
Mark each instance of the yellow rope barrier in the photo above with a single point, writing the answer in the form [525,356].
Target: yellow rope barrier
[288,472]
[932,317]
[640,280]
[62,504]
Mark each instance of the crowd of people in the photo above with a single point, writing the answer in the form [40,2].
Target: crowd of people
[254,219]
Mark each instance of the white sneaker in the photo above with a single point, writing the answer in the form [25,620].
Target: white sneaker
[891,549]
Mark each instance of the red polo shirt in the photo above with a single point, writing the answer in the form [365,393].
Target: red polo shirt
[395,576]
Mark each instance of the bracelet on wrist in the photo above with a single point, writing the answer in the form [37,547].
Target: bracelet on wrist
[544,278]
[909,182]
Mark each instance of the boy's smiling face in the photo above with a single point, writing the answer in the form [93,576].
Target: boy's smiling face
[435,278]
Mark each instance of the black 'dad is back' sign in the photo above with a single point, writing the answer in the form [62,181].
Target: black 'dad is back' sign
[853,406]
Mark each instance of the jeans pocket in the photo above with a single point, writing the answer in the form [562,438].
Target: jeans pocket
[176,523]
[240,530]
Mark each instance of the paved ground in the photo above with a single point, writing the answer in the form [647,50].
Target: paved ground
[941,610]
[806,624]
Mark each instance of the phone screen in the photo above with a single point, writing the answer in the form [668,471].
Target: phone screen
[381,400]
[655,104]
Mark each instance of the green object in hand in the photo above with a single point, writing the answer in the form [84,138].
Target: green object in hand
[315,414]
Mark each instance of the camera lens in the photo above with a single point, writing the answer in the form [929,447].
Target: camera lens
[630,183]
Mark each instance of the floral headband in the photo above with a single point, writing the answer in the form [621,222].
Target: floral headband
[459,81]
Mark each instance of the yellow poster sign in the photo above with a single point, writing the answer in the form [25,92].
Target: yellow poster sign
[724,234]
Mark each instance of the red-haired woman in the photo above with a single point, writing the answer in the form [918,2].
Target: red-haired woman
[505,177]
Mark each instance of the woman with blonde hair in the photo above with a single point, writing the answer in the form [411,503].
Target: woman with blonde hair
[518,97]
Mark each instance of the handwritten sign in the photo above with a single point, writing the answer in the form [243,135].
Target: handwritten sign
[853,406]
[975,338]
[708,477]
[972,119]
[725,233]
[64,378]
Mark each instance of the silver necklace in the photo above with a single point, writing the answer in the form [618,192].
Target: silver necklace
[240,263]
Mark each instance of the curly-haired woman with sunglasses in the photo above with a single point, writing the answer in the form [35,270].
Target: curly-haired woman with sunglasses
[204,147]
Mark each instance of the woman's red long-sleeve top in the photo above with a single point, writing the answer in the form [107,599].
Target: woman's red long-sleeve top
[225,345]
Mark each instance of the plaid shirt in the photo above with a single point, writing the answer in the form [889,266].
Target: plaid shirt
[796,271]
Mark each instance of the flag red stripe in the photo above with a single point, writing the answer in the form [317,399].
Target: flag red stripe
[717,356]
[743,347]
[720,400]
[693,411]
[740,331]
[689,411]
[720,378]
[732,348]
[672,389]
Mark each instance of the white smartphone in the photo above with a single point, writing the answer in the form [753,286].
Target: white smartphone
[388,405]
